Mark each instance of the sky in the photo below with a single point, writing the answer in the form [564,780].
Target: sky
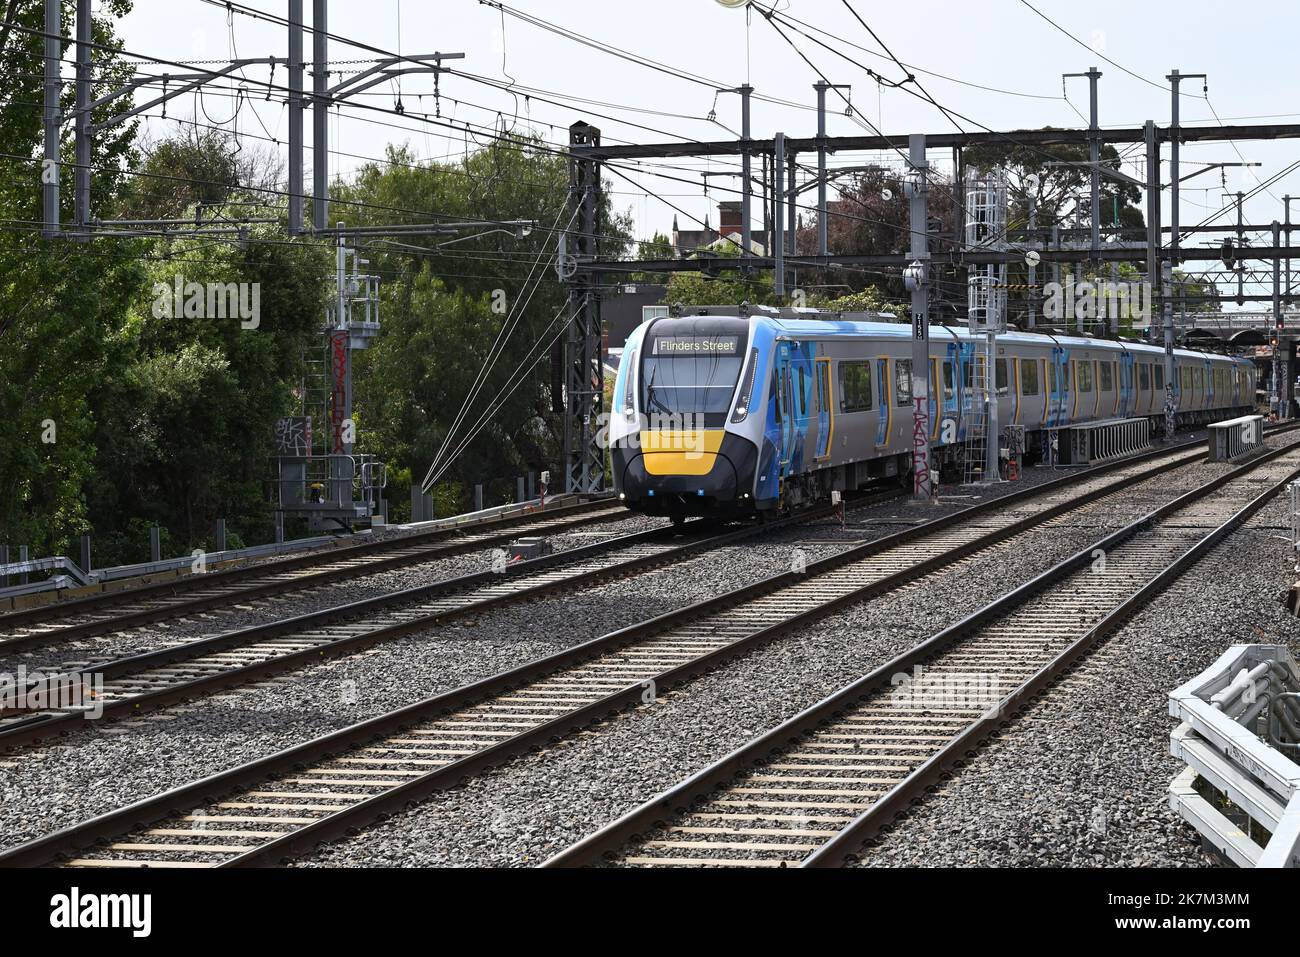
[1247,50]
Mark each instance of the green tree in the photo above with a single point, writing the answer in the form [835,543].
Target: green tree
[59,300]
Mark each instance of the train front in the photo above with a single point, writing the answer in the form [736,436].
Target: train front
[684,440]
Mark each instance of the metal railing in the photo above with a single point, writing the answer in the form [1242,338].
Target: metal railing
[1235,438]
[1239,734]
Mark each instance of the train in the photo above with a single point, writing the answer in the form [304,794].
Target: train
[732,411]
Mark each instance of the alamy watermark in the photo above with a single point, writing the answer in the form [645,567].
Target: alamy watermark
[209,300]
[1103,299]
[945,690]
[57,691]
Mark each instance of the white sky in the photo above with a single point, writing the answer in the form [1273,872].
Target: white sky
[1247,50]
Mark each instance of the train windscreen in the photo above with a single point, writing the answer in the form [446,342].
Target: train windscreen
[693,375]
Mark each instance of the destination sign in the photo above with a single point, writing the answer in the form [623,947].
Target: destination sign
[697,345]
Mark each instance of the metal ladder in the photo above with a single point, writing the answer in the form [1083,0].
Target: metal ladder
[976,444]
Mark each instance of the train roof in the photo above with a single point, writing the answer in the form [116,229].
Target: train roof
[898,330]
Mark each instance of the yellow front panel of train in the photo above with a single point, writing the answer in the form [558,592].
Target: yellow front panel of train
[681,453]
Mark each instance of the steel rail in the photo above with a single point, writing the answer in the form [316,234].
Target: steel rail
[36,727]
[354,739]
[792,734]
[443,543]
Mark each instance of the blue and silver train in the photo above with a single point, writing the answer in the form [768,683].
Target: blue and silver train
[736,411]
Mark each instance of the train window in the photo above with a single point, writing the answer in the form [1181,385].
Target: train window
[1004,386]
[855,386]
[778,395]
[1051,378]
[948,390]
[1029,377]
[1160,376]
[1107,377]
[1083,375]
[803,392]
[902,382]
[1144,377]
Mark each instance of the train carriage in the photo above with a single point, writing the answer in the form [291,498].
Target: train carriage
[722,412]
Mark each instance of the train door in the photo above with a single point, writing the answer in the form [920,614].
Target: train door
[1060,376]
[884,413]
[950,372]
[1124,386]
[785,409]
[1044,389]
[801,381]
[936,393]
[1008,372]
[825,410]
[1209,385]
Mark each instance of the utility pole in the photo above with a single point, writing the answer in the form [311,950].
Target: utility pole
[778,213]
[1094,155]
[320,106]
[85,79]
[1238,199]
[584,374]
[1281,370]
[53,87]
[1155,274]
[918,281]
[295,118]
[792,205]
[1175,177]
[746,172]
[1032,279]
[821,86]
[1286,201]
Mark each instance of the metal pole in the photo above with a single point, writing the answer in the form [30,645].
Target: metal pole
[922,487]
[821,86]
[1032,320]
[320,143]
[1286,200]
[778,213]
[1176,136]
[1278,374]
[1174,169]
[295,118]
[1155,277]
[85,553]
[792,205]
[155,543]
[81,202]
[746,172]
[1241,242]
[53,84]
[1094,159]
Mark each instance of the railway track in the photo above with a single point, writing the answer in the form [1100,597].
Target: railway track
[185,670]
[283,804]
[812,791]
[115,611]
